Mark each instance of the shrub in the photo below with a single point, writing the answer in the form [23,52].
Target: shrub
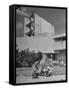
[28,58]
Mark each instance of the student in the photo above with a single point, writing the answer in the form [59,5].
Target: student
[36,71]
[49,70]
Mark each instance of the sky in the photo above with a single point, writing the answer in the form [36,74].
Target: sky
[57,17]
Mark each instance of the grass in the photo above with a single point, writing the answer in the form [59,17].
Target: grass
[57,70]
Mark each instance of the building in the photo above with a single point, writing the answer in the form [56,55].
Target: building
[38,26]
[60,47]
[39,35]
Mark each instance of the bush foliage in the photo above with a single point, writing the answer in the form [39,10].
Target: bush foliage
[27,58]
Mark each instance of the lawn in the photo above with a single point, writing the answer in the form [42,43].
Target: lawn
[27,72]
[24,75]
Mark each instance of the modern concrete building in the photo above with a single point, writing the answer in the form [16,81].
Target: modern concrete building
[38,26]
[39,35]
[60,47]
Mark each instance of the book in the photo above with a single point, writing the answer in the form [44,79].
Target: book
[37,44]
